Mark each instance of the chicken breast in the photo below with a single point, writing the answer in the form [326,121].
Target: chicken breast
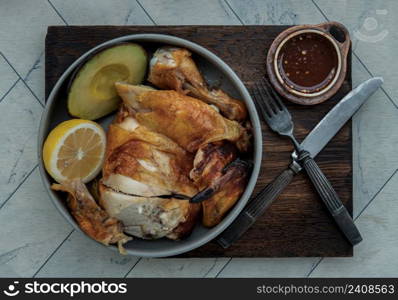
[142,173]
[143,163]
[189,122]
[150,217]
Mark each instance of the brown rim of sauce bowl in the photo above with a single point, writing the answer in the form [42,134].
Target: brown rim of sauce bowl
[335,43]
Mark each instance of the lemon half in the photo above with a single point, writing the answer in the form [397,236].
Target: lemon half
[75,149]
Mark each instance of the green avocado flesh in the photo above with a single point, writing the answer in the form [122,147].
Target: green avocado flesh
[92,94]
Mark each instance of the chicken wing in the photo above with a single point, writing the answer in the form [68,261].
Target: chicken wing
[92,219]
[229,188]
[221,177]
[173,68]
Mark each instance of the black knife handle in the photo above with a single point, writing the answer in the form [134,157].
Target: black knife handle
[330,198]
[255,208]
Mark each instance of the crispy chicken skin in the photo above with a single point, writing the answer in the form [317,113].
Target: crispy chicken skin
[221,177]
[150,163]
[209,162]
[173,68]
[141,168]
[198,129]
[229,188]
[189,122]
[92,219]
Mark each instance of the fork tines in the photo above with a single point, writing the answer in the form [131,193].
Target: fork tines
[267,98]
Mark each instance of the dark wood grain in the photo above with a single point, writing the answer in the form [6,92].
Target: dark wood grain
[297,224]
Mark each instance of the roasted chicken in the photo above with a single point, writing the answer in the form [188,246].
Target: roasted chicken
[140,166]
[173,68]
[150,217]
[210,141]
[143,162]
[171,155]
[189,122]
[221,177]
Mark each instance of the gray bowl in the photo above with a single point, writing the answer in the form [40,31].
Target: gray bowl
[214,70]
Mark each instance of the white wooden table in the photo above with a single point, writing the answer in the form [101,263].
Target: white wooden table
[35,240]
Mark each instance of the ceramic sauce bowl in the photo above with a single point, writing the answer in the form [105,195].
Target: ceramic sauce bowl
[307,64]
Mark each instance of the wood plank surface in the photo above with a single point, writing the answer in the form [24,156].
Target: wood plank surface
[297,224]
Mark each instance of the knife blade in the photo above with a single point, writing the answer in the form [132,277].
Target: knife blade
[313,144]
[327,128]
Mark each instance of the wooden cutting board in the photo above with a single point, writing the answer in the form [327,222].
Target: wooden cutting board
[297,224]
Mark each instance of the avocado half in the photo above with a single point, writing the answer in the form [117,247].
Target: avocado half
[92,93]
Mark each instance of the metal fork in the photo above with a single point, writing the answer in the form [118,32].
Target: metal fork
[275,112]
[279,119]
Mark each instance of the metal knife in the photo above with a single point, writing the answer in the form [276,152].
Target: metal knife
[315,141]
